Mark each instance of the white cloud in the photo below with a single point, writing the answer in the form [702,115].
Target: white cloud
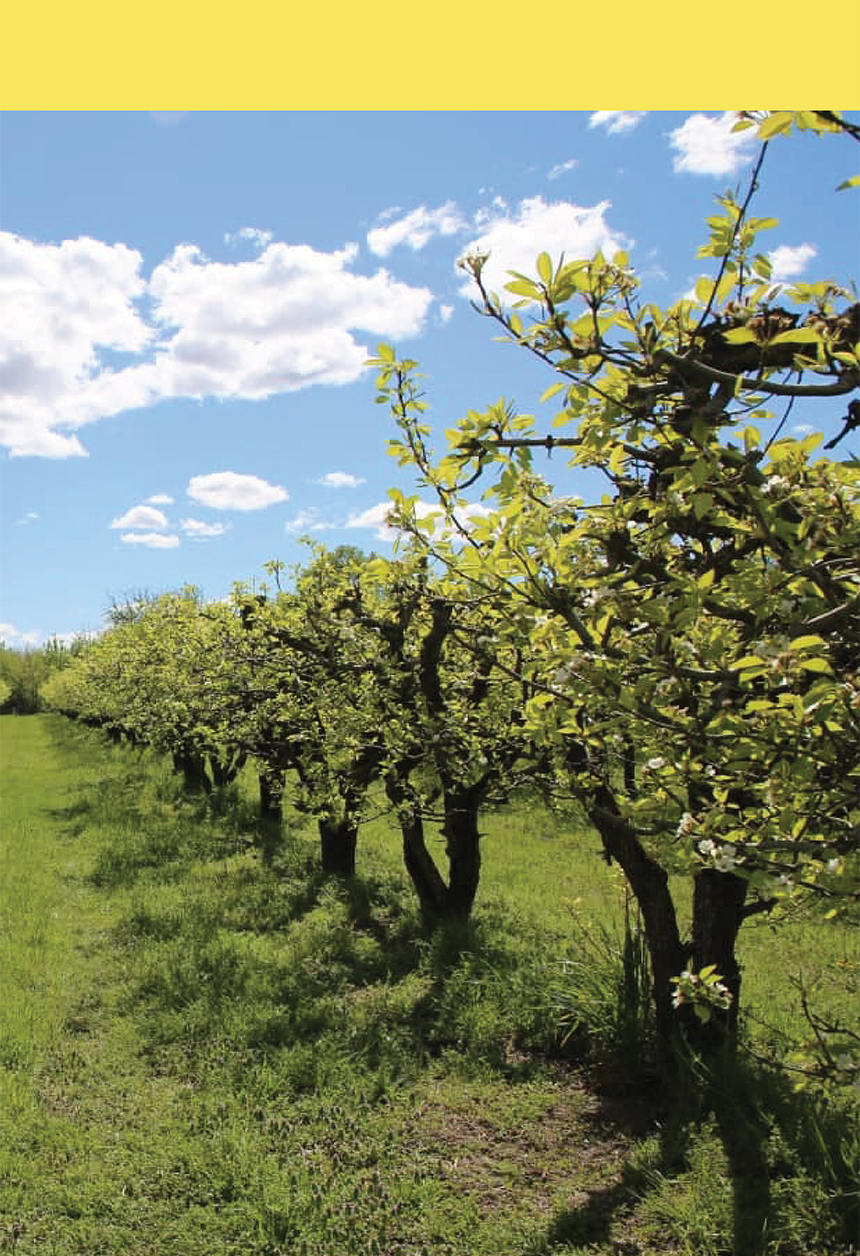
[67,638]
[225,490]
[377,517]
[707,145]
[339,479]
[281,321]
[514,240]
[275,324]
[29,517]
[488,213]
[70,300]
[307,521]
[789,260]
[198,530]
[617,121]
[561,168]
[159,499]
[255,235]
[444,312]
[152,540]
[416,228]
[142,517]
[13,636]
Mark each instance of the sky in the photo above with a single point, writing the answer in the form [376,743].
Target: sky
[187,302]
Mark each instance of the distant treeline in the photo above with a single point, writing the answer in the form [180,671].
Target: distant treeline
[23,672]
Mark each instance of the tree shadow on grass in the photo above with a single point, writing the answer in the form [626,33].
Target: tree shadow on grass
[789,1160]
[593,1221]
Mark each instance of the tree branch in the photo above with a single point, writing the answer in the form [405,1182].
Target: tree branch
[698,370]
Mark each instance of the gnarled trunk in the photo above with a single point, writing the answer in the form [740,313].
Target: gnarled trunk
[425,876]
[192,766]
[337,846]
[271,795]
[650,885]
[718,913]
[225,770]
[441,902]
[463,847]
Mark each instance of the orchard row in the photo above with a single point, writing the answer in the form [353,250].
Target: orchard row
[677,655]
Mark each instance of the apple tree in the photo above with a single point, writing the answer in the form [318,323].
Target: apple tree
[690,634]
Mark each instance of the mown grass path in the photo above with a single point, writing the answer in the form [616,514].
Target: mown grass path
[108,1149]
[86,1129]
[204,1055]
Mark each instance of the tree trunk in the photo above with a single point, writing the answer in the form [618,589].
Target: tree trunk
[193,769]
[718,912]
[271,795]
[337,846]
[650,885]
[225,770]
[463,846]
[425,876]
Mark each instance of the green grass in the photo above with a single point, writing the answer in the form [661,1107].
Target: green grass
[203,1054]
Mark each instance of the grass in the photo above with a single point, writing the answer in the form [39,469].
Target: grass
[203,1054]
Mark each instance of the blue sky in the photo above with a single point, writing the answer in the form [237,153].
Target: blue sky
[188,299]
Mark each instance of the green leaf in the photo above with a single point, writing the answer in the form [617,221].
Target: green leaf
[739,336]
[800,335]
[815,665]
[616,459]
[704,288]
[779,123]
[544,268]
[524,288]
[551,391]
[853,182]
[702,503]
[807,643]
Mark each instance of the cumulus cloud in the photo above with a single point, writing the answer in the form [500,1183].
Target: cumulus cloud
[200,531]
[514,239]
[707,145]
[70,300]
[561,168]
[378,517]
[12,636]
[790,260]
[159,499]
[286,319]
[616,121]
[307,521]
[416,228]
[275,324]
[142,517]
[339,479]
[226,490]
[254,235]
[152,540]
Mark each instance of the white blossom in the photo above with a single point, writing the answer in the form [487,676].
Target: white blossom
[685,825]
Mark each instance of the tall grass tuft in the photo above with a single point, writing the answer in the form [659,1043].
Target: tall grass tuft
[604,1001]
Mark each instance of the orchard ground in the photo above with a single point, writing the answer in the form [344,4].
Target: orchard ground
[204,1055]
